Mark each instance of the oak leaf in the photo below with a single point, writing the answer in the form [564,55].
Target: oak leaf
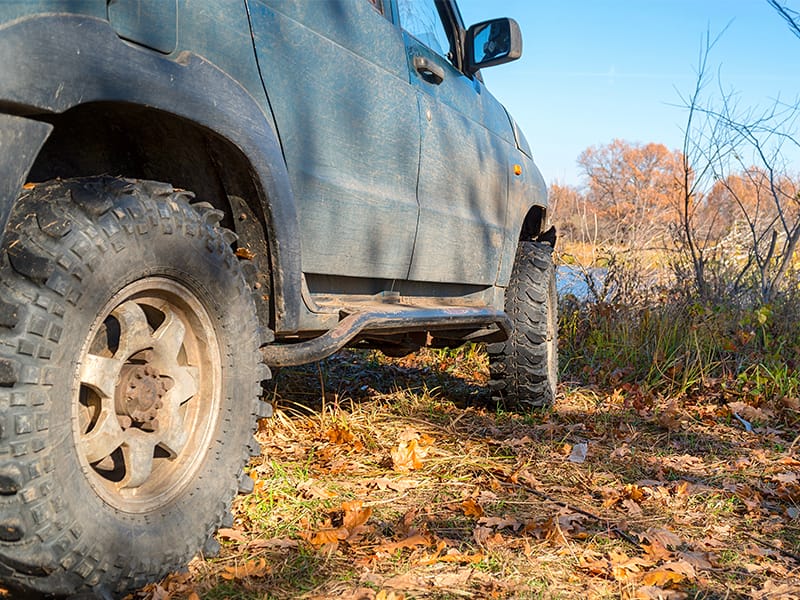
[312,490]
[409,452]
[453,556]
[699,560]
[235,535]
[389,595]
[251,568]
[656,551]
[487,537]
[409,542]
[773,591]
[339,435]
[664,536]
[472,508]
[324,537]
[661,577]
[632,507]
[682,567]
[397,485]
[355,515]
[623,567]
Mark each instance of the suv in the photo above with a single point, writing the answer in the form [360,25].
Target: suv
[337,175]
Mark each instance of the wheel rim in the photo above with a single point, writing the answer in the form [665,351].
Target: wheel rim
[149,390]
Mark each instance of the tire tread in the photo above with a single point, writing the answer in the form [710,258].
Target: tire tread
[522,367]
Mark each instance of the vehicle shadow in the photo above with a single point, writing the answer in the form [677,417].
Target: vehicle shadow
[358,376]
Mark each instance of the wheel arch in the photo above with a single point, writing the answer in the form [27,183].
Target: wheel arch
[118,109]
[533,224]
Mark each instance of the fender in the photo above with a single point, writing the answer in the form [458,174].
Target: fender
[94,65]
[20,142]
[526,191]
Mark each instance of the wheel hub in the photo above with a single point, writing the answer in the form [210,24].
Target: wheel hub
[140,396]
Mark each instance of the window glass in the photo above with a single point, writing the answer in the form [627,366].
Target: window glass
[378,4]
[421,19]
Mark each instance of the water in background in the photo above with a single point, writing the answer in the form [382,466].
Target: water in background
[571,280]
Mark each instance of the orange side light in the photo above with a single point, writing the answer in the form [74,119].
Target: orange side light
[517,170]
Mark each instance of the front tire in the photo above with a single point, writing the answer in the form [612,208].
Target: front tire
[129,383]
[524,368]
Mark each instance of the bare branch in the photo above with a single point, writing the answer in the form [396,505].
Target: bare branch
[792,17]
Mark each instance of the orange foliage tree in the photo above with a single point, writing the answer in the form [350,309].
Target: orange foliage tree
[633,190]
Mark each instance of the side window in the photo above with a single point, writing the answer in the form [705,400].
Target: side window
[377,4]
[421,19]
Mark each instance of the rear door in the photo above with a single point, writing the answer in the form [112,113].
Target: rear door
[337,79]
[466,142]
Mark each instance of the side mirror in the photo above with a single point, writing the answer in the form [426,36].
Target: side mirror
[492,43]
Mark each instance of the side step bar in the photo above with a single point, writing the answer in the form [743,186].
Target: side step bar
[393,321]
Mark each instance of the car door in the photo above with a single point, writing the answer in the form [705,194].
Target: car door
[336,76]
[464,159]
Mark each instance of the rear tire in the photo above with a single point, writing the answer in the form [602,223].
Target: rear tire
[524,368]
[129,383]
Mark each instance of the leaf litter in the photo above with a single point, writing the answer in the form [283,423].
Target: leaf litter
[399,479]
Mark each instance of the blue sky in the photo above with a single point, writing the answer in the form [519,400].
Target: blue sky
[595,70]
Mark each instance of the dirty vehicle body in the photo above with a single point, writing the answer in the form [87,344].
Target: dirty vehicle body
[194,191]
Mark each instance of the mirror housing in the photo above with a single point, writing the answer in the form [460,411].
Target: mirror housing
[493,42]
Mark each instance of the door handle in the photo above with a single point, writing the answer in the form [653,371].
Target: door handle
[429,70]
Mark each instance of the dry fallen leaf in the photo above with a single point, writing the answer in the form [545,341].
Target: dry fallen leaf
[472,508]
[751,413]
[699,560]
[661,578]
[397,485]
[324,537]
[664,536]
[486,537]
[625,568]
[245,253]
[453,556]
[652,592]
[389,595]
[311,490]
[776,591]
[256,567]
[501,523]
[409,542]
[632,508]
[409,452]
[339,435]
[235,535]
[789,477]
[355,515]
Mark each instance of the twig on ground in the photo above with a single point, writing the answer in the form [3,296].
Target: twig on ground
[763,542]
[615,528]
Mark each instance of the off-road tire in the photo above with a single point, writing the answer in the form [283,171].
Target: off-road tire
[524,368]
[90,268]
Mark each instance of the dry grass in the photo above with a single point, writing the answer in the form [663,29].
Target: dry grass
[385,479]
